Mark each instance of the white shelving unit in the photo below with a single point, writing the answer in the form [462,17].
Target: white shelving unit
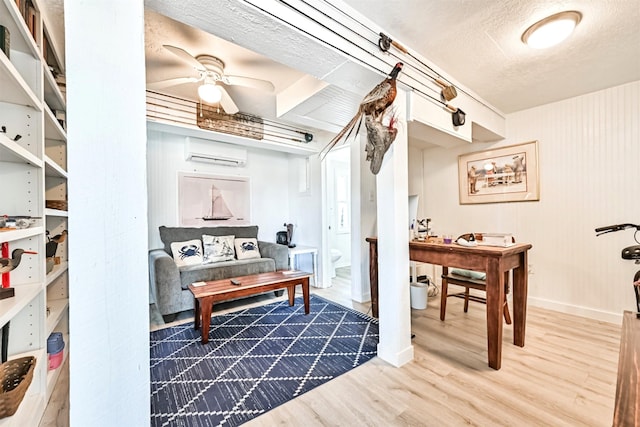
[32,170]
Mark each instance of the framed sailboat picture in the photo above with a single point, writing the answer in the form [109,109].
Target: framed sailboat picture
[212,199]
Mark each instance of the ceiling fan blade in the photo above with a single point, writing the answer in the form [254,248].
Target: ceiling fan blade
[185,56]
[227,103]
[171,82]
[264,85]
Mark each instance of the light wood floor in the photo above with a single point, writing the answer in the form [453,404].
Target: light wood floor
[564,376]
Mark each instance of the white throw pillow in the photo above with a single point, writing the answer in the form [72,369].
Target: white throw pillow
[218,248]
[187,253]
[247,248]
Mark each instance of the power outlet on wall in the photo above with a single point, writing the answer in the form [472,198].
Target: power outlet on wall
[530,268]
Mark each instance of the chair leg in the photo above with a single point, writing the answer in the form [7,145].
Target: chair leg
[466,299]
[507,316]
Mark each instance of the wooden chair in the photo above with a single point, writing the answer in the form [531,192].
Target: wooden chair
[469,283]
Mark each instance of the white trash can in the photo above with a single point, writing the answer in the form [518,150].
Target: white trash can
[419,295]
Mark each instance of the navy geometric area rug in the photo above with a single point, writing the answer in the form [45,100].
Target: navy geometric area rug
[256,359]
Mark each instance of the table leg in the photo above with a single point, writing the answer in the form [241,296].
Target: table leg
[206,305]
[196,322]
[305,294]
[495,299]
[520,289]
[315,268]
[291,292]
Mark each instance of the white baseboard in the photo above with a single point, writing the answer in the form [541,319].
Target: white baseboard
[590,313]
[396,359]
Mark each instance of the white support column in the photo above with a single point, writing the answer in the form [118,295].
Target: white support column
[393,247]
[108,250]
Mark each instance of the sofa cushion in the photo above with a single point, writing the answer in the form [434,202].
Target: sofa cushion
[179,234]
[187,253]
[218,248]
[247,248]
[224,270]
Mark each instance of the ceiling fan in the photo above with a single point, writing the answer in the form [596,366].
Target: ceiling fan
[211,74]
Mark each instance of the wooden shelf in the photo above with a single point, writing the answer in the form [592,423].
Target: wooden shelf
[11,151]
[52,128]
[9,307]
[10,236]
[29,99]
[21,39]
[55,212]
[52,95]
[53,169]
[14,89]
[56,272]
[57,309]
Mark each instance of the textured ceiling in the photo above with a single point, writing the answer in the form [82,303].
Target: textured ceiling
[478,43]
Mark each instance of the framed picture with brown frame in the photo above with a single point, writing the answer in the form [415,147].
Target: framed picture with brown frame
[503,174]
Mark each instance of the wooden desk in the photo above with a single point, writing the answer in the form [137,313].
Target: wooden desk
[627,407]
[206,293]
[493,260]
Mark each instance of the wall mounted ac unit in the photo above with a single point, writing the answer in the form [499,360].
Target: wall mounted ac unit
[202,150]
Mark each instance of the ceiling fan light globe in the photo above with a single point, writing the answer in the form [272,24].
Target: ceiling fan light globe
[209,93]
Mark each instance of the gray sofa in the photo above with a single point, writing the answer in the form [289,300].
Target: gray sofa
[169,283]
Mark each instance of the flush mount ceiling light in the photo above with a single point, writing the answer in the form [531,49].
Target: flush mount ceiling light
[551,30]
[209,92]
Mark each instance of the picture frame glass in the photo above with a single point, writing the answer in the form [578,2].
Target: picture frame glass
[206,200]
[504,174]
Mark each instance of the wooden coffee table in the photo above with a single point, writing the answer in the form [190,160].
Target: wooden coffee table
[207,293]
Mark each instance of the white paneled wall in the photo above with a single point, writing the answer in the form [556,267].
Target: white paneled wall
[589,152]
[269,181]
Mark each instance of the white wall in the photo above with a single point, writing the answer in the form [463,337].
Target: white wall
[338,168]
[269,174]
[108,291]
[588,155]
[305,210]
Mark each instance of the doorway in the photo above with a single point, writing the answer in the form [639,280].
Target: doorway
[337,251]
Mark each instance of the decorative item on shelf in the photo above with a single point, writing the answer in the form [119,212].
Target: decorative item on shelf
[6,279]
[51,248]
[15,377]
[286,237]
[57,204]
[8,223]
[5,40]
[55,349]
[7,265]
[15,138]
[423,228]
